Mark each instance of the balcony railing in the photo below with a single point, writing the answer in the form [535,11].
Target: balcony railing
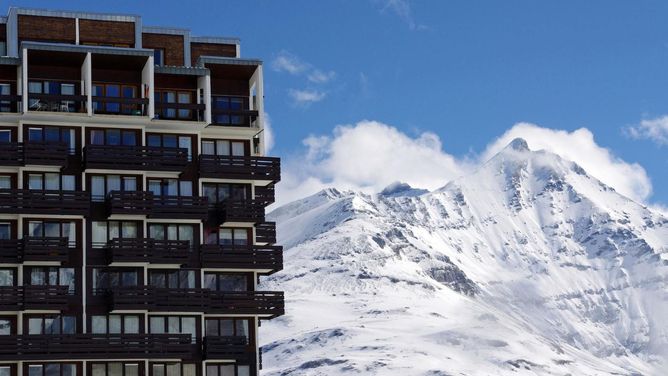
[10,251]
[181,207]
[148,250]
[197,300]
[120,105]
[10,103]
[227,347]
[265,194]
[180,111]
[130,202]
[57,102]
[241,211]
[18,298]
[24,201]
[96,346]
[240,167]
[268,258]
[234,118]
[144,158]
[45,249]
[265,233]
[33,153]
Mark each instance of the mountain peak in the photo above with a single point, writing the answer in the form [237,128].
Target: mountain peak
[518,144]
[401,189]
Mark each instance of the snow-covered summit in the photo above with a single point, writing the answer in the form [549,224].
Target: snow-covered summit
[527,265]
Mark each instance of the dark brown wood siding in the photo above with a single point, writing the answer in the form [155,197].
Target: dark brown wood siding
[52,29]
[211,49]
[220,86]
[172,44]
[106,32]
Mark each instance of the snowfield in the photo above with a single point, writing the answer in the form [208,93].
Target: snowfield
[530,266]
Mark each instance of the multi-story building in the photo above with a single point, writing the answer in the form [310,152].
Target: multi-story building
[133,189]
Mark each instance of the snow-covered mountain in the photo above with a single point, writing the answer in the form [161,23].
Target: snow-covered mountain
[528,266]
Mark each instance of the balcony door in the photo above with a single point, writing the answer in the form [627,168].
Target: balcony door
[171,141]
[170,187]
[236,148]
[53,135]
[102,185]
[220,192]
[51,181]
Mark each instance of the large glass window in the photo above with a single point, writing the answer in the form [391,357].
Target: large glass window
[173,369]
[52,369]
[5,182]
[52,181]
[224,147]
[103,231]
[52,276]
[5,230]
[101,185]
[219,192]
[6,106]
[172,96]
[228,236]
[7,277]
[170,187]
[109,105]
[218,327]
[52,324]
[230,108]
[54,229]
[115,324]
[113,137]
[115,369]
[173,325]
[105,279]
[54,135]
[226,281]
[173,279]
[170,141]
[6,327]
[165,231]
[227,370]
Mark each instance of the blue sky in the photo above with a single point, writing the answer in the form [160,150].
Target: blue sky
[466,71]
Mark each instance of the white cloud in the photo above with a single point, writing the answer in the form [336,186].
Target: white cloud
[401,8]
[390,155]
[287,62]
[629,179]
[653,129]
[306,96]
[319,77]
[268,134]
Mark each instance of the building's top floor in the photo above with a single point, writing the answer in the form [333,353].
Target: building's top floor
[171,46]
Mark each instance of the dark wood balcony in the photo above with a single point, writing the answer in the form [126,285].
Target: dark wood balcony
[57,102]
[19,298]
[45,249]
[143,158]
[228,347]
[155,299]
[266,194]
[96,346]
[241,211]
[120,106]
[269,259]
[33,153]
[10,103]
[148,250]
[180,111]
[24,201]
[233,118]
[265,232]
[10,251]
[130,202]
[240,167]
[180,207]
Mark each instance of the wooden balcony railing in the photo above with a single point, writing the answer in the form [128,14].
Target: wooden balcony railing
[144,158]
[234,118]
[96,346]
[269,258]
[197,300]
[45,249]
[265,194]
[25,201]
[120,106]
[227,347]
[19,298]
[130,202]
[240,167]
[10,251]
[180,207]
[57,102]
[265,233]
[241,211]
[10,103]
[148,250]
[33,153]
[180,111]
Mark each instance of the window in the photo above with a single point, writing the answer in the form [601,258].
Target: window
[169,96]
[51,181]
[230,108]
[5,370]
[159,56]
[170,141]
[113,137]
[173,325]
[227,327]
[111,91]
[51,276]
[224,147]
[101,185]
[115,324]
[6,327]
[52,369]
[219,192]
[227,370]
[52,324]
[170,187]
[6,106]
[173,279]
[5,230]
[52,87]
[105,279]
[162,231]
[115,369]
[54,229]
[173,369]
[5,182]
[228,236]
[54,135]
[225,282]
[103,231]
[7,277]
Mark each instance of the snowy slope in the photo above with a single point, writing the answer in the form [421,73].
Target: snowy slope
[528,266]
